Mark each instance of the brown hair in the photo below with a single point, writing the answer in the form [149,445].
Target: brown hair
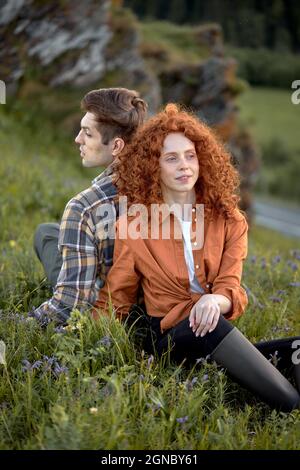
[138,169]
[118,111]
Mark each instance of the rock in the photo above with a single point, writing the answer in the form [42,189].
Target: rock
[76,44]
[10,10]
[211,36]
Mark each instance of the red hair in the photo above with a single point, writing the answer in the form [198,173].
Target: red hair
[138,170]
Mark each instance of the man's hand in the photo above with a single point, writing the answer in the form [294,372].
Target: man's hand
[205,315]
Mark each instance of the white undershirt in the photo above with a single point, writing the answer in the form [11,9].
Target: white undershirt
[188,254]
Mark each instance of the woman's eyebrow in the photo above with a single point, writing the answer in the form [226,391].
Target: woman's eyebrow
[174,151]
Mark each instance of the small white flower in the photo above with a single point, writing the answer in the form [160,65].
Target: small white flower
[93,411]
[2,352]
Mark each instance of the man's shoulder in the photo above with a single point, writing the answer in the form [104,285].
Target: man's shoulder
[102,191]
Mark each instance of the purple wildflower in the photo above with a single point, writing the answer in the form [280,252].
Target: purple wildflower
[189,384]
[41,317]
[182,420]
[281,292]
[155,408]
[296,254]
[60,330]
[294,284]
[49,362]
[248,291]
[105,341]
[28,367]
[204,378]
[59,370]
[277,329]
[258,304]
[276,259]
[292,265]
[263,263]
[202,360]
[194,380]
[253,259]
[20,318]
[275,299]
[150,361]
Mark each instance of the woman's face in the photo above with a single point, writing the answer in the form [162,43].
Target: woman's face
[179,166]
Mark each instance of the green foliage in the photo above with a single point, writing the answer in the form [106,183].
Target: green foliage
[266,68]
[281,177]
[172,44]
[274,121]
[271,24]
[177,11]
[87,386]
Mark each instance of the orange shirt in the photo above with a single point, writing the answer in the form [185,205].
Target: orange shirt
[160,266]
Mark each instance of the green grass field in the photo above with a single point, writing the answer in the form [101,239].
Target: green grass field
[270,114]
[273,120]
[88,387]
[177,44]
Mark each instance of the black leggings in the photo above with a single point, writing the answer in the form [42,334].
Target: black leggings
[183,344]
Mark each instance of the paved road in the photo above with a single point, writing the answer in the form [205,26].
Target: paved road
[284,220]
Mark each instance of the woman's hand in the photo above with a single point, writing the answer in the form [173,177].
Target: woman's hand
[205,315]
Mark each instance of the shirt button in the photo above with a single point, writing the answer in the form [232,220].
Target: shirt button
[207,285]
[195,243]
[193,210]
[195,220]
[197,266]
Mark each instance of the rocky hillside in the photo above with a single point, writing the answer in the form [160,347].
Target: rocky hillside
[71,44]
[56,51]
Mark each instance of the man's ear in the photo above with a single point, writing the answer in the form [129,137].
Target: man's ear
[118,146]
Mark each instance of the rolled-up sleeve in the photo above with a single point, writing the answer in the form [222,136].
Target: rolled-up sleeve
[228,280]
[122,283]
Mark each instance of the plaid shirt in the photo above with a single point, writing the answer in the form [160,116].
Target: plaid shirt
[86,242]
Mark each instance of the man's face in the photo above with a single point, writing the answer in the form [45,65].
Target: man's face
[92,151]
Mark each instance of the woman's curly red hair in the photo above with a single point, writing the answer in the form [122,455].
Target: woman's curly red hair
[138,170]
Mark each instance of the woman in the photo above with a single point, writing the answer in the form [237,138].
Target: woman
[178,179]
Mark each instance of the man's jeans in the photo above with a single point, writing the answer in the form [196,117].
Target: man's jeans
[46,248]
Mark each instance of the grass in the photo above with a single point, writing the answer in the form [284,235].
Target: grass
[269,113]
[89,387]
[273,120]
[170,44]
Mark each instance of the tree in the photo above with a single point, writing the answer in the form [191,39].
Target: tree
[177,12]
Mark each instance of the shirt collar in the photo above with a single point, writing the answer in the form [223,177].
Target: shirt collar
[107,172]
[197,211]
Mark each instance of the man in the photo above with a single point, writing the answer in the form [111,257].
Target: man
[77,255]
